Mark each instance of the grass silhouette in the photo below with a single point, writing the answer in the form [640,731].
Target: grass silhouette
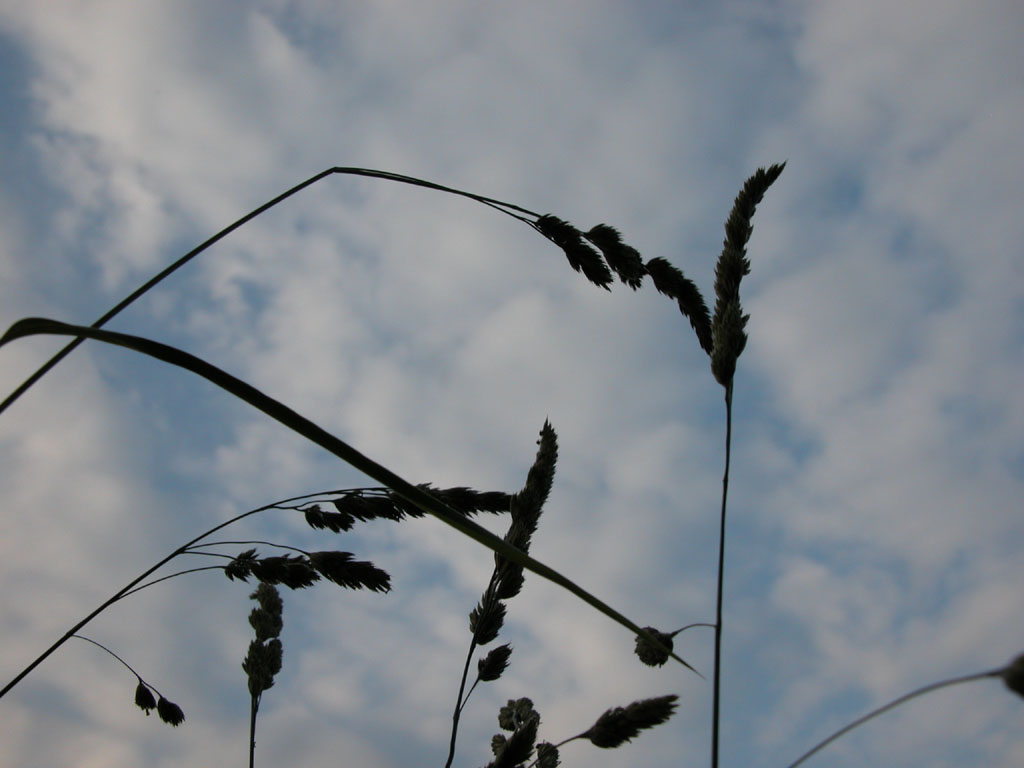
[601,256]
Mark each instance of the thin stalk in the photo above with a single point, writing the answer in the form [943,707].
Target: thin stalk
[716,694]
[101,645]
[690,626]
[253,709]
[894,703]
[472,688]
[506,208]
[171,576]
[458,706]
[192,549]
[460,702]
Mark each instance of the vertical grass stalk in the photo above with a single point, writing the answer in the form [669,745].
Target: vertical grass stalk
[716,694]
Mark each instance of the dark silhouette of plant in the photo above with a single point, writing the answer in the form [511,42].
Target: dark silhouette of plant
[488,617]
[263,660]
[600,255]
[168,711]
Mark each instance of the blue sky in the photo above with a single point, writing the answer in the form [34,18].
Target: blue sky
[875,513]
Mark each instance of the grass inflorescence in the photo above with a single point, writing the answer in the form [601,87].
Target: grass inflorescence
[265,656]
[145,700]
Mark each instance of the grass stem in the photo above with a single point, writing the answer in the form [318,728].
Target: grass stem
[716,693]
[892,704]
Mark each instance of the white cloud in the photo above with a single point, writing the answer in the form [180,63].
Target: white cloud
[877,414]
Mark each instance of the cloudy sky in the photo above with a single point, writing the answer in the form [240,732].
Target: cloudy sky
[878,468]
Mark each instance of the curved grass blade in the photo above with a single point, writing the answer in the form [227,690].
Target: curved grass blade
[297,423]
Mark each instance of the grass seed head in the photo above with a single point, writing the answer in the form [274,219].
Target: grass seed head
[617,726]
[340,568]
[144,698]
[336,522]
[1013,675]
[547,755]
[518,747]
[729,341]
[486,621]
[170,712]
[517,712]
[623,259]
[581,256]
[494,663]
[651,655]
[671,282]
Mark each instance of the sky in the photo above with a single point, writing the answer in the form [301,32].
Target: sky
[875,516]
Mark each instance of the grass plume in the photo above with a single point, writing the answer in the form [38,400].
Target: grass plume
[728,334]
[488,617]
